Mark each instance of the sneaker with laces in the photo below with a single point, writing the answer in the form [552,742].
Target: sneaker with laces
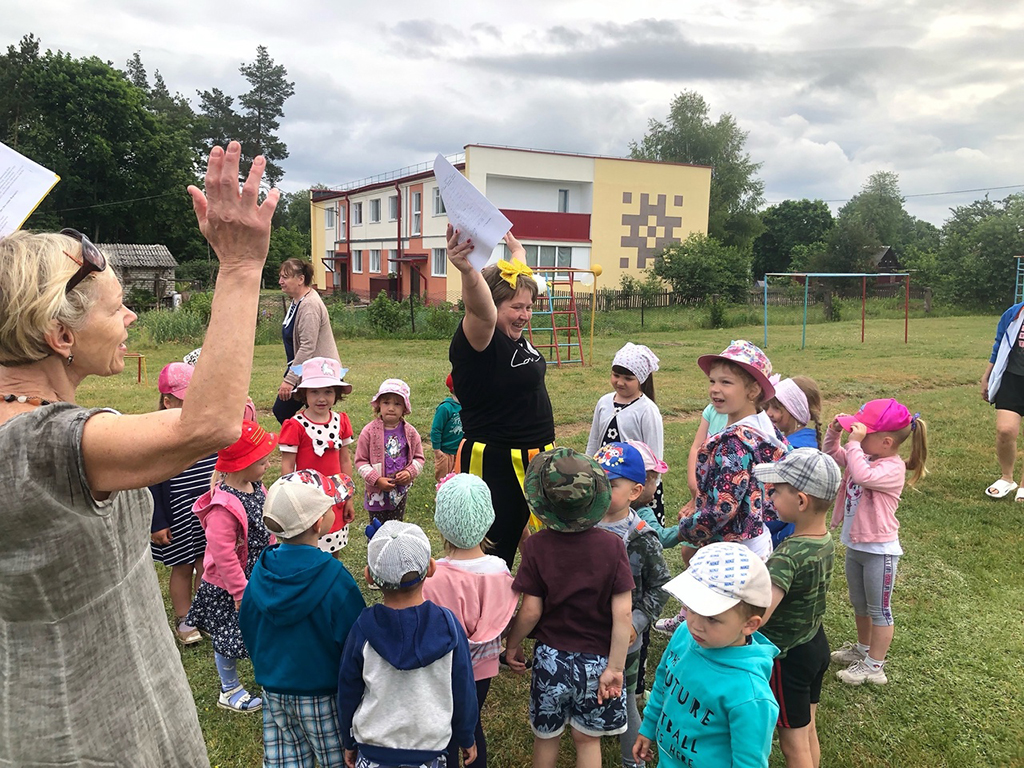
[859,673]
[846,654]
[668,626]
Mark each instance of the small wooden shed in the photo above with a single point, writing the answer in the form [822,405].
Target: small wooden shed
[145,267]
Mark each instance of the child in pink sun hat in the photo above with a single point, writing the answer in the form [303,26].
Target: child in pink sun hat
[389,453]
[873,480]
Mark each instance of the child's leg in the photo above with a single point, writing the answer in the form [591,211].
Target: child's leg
[181,588]
[628,738]
[198,568]
[812,738]
[284,743]
[796,746]
[858,597]
[233,694]
[545,752]
[318,720]
[482,687]
[588,750]
[879,579]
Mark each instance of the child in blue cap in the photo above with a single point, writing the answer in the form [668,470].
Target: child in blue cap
[624,466]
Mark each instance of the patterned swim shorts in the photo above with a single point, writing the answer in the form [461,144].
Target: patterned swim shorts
[563,691]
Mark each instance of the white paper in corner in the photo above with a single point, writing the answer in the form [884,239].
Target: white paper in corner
[470,212]
[23,185]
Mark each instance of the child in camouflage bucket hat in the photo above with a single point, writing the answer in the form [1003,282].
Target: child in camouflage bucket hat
[576,585]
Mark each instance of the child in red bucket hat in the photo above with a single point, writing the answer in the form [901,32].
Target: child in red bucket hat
[232,517]
[865,508]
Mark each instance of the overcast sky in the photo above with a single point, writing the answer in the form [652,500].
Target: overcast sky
[829,92]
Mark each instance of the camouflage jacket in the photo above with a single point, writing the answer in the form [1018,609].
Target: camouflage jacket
[650,572]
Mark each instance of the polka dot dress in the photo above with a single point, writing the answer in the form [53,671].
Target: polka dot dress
[213,609]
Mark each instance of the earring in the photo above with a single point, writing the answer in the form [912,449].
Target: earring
[71,357]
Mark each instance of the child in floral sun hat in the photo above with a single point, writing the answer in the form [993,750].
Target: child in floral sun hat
[730,505]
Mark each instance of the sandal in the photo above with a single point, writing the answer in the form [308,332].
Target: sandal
[1020,495]
[187,635]
[239,700]
[1000,489]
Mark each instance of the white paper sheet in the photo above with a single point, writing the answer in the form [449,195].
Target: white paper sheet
[23,185]
[470,212]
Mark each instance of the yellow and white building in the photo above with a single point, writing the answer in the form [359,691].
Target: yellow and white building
[568,210]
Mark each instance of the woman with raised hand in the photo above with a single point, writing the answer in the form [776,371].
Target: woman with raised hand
[91,675]
[499,379]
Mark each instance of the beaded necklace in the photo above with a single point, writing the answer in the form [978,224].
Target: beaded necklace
[29,399]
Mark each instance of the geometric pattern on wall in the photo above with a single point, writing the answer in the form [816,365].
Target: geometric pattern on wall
[650,229]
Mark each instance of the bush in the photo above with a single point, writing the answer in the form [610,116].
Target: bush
[700,266]
[443,319]
[385,315]
[716,313]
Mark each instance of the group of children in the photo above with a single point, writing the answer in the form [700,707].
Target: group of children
[747,653]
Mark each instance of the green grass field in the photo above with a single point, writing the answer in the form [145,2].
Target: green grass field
[956,668]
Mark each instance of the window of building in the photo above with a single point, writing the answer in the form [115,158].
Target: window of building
[548,256]
[357,214]
[416,206]
[393,208]
[563,201]
[438,203]
[439,262]
[375,262]
[375,211]
[357,261]
[329,218]
[341,218]
[392,263]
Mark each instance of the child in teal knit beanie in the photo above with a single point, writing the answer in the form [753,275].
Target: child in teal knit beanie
[475,586]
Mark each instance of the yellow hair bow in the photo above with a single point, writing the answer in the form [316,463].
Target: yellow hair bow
[511,270]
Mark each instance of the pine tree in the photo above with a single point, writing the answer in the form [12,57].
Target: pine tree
[262,108]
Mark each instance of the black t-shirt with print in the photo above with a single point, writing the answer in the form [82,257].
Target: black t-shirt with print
[504,400]
[1015,362]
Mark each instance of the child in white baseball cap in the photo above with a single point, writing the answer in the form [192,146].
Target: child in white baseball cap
[712,682]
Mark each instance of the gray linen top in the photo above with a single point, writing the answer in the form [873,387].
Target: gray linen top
[313,335]
[89,673]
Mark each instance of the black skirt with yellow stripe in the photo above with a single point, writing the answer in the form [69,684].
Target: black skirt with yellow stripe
[504,470]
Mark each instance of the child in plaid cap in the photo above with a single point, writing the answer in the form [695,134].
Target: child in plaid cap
[405,690]
[803,486]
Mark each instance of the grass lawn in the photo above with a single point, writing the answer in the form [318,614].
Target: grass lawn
[956,668]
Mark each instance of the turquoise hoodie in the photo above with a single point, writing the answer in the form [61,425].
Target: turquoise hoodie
[296,614]
[712,708]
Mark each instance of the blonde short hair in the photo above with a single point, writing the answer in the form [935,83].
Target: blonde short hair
[34,268]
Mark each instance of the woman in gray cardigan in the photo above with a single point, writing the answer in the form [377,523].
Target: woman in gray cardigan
[91,675]
[306,332]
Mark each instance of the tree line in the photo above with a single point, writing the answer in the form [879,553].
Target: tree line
[126,148]
[969,261]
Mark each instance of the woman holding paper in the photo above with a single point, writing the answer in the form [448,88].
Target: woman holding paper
[499,379]
[91,672]
[306,331]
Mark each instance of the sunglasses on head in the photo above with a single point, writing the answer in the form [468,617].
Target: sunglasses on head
[92,259]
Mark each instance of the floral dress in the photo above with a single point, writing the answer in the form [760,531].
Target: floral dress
[213,608]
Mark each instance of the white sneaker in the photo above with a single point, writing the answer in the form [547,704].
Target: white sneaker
[859,673]
[847,653]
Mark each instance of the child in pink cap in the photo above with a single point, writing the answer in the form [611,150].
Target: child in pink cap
[389,453]
[866,509]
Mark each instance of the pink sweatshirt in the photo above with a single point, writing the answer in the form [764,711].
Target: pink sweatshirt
[227,535]
[370,451]
[482,602]
[882,481]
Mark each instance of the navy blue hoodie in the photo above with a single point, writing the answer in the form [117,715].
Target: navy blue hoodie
[297,611]
[406,685]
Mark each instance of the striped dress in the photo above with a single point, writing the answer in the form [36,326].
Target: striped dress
[172,508]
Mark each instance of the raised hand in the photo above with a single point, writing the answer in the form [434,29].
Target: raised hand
[233,221]
[458,253]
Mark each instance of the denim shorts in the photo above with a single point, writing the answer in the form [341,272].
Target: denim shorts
[563,691]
